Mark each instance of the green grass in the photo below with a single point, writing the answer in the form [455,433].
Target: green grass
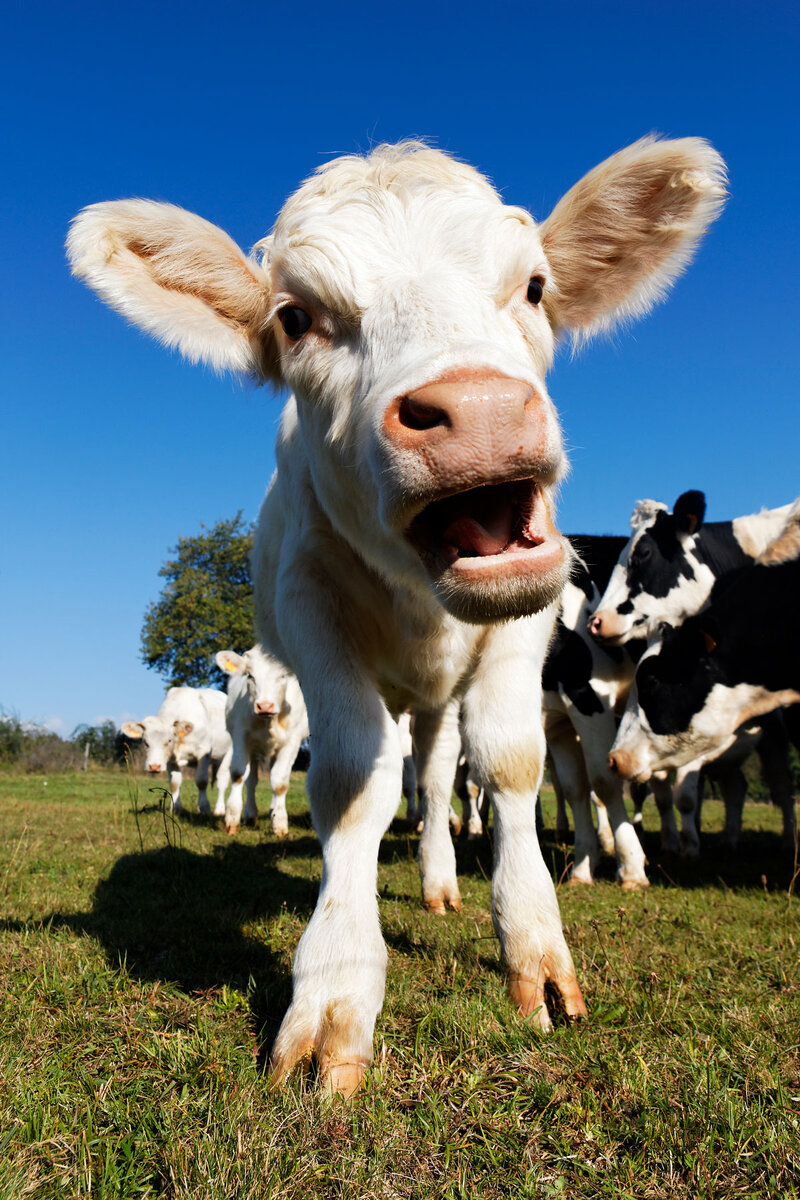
[145,967]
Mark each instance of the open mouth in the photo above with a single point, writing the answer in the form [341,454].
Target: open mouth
[487,529]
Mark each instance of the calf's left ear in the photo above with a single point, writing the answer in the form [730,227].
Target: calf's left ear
[179,278]
[182,729]
[619,238]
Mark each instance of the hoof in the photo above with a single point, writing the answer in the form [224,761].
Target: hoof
[634,885]
[232,827]
[250,822]
[343,1079]
[282,831]
[580,881]
[438,905]
[455,827]
[529,997]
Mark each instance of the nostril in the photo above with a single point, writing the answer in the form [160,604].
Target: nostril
[612,765]
[414,414]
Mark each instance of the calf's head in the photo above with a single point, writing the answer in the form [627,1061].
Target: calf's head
[266,678]
[162,739]
[414,315]
[657,578]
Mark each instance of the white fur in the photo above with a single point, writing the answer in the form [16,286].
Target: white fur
[188,730]
[411,268]
[275,737]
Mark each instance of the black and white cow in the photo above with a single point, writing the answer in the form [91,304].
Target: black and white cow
[665,573]
[586,686]
[668,566]
[697,685]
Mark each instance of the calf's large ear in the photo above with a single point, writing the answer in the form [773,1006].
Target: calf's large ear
[179,278]
[620,236]
[230,662]
[133,729]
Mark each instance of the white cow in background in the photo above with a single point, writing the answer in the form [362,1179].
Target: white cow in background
[188,730]
[413,316]
[266,719]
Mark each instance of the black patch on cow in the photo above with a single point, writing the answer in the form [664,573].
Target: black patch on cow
[716,546]
[658,561]
[750,624]
[568,668]
[625,608]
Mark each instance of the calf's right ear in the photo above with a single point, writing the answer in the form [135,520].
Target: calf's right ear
[230,662]
[689,511]
[179,278]
[133,729]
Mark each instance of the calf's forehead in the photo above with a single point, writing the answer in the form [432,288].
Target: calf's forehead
[359,230]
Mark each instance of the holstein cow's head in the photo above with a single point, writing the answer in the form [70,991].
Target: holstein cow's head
[414,315]
[728,665]
[658,577]
[266,678]
[162,739]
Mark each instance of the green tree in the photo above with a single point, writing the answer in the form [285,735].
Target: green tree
[206,605]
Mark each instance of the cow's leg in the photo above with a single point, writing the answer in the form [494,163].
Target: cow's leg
[562,821]
[686,793]
[175,781]
[340,966]
[662,794]
[410,788]
[201,779]
[437,745]
[733,786]
[605,834]
[570,769]
[240,770]
[250,814]
[597,734]
[639,793]
[279,778]
[773,750]
[505,747]
[223,782]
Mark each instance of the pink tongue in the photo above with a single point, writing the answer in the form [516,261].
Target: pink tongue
[471,537]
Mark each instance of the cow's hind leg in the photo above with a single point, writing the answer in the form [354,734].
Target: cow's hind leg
[437,745]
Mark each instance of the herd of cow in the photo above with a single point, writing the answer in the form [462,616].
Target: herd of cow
[406,556]
[673,567]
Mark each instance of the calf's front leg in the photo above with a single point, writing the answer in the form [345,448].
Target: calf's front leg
[339,968]
[505,747]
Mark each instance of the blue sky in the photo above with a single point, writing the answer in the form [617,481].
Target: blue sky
[113,448]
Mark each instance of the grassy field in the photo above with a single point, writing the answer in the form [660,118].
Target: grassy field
[146,966]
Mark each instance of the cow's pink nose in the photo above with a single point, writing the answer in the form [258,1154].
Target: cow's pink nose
[154,768]
[458,405]
[263,707]
[621,763]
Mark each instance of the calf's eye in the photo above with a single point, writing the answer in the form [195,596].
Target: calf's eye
[295,322]
[535,290]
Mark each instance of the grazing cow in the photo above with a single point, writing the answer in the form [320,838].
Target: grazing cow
[188,730]
[721,669]
[413,316]
[665,573]
[266,719]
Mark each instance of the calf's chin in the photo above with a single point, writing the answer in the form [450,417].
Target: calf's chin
[483,595]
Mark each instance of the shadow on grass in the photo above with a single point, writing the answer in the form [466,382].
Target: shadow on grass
[173,915]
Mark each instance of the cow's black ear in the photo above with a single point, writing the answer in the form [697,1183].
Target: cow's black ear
[689,510]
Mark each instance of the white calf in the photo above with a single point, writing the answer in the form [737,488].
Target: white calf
[266,718]
[188,730]
[413,316]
